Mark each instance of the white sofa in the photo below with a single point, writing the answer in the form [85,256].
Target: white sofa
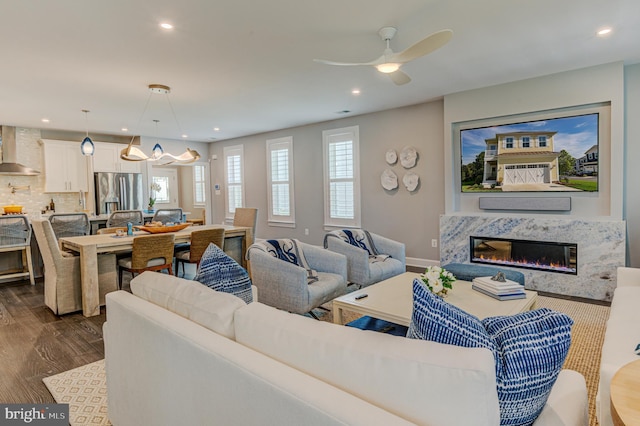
[621,337]
[223,362]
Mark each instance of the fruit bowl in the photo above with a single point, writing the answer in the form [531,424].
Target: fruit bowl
[12,209]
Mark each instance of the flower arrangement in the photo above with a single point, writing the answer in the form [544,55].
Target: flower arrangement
[438,280]
[152,194]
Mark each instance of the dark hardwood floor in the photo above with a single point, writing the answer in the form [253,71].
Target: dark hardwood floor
[35,343]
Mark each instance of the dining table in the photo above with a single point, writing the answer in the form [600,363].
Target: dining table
[89,246]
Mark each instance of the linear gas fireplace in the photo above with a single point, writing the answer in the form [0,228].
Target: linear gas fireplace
[540,255]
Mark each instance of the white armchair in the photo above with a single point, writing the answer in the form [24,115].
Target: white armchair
[285,285]
[362,269]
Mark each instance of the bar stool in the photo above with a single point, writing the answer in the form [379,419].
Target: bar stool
[15,235]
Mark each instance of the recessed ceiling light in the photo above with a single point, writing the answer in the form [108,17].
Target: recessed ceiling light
[355,92]
[216,129]
[185,136]
[166,26]
[604,31]
[124,129]
[45,120]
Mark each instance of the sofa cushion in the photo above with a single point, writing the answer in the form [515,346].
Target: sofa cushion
[391,372]
[624,305]
[532,347]
[220,272]
[529,348]
[189,299]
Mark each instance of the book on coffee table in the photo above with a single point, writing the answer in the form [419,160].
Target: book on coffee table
[488,283]
[505,296]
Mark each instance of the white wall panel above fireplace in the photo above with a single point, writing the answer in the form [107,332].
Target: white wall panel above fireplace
[601,248]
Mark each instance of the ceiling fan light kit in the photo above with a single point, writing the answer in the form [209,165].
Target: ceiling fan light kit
[390,62]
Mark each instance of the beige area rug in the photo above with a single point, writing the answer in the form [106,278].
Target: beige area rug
[85,390]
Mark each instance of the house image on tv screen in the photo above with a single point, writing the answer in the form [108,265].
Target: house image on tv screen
[520,158]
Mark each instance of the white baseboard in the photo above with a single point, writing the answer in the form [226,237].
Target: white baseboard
[421,263]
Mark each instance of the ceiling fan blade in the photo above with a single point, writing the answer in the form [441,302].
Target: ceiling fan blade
[399,77]
[344,64]
[424,46]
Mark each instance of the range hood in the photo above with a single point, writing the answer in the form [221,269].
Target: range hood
[9,166]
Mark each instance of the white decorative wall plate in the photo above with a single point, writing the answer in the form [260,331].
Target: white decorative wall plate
[408,157]
[389,179]
[391,157]
[411,181]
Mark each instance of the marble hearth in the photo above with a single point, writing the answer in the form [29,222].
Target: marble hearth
[601,248]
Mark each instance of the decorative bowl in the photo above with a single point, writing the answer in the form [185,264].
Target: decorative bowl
[162,229]
[12,209]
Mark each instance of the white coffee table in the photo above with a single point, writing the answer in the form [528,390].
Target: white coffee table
[392,300]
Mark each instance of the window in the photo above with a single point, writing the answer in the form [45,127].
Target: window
[161,192]
[509,143]
[526,141]
[199,188]
[280,181]
[542,141]
[233,178]
[341,177]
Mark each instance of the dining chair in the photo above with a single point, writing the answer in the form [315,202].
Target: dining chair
[120,218]
[167,216]
[15,235]
[62,274]
[149,253]
[69,224]
[200,240]
[246,216]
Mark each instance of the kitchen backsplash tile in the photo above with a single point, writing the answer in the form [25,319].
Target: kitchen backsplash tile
[30,154]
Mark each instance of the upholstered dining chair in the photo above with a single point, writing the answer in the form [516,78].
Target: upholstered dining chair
[69,224]
[149,253]
[286,285]
[371,258]
[120,218]
[167,216]
[62,281]
[200,240]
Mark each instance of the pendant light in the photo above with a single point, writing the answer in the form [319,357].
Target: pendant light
[87,147]
[133,153]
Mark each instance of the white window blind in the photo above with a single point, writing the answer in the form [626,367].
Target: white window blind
[342,177]
[280,181]
[234,178]
[199,187]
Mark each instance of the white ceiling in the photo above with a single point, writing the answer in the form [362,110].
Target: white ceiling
[247,66]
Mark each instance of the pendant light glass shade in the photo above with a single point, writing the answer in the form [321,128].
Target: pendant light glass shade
[87,147]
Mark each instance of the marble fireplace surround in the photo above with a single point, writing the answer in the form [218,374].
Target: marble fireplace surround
[601,248]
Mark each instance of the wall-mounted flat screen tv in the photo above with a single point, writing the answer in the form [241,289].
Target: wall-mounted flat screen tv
[550,155]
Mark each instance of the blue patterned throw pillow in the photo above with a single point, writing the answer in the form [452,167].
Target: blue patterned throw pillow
[438,321]
[532,347]
[529,348]
[221,273]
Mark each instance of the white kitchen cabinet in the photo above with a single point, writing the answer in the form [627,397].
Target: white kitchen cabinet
[65,167]
[106,158]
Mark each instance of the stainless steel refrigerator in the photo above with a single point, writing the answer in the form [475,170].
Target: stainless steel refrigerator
[118,191]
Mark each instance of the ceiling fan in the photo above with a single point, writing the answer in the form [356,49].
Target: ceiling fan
[390,62]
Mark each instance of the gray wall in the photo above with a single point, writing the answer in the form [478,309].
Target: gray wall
[408,217]
[413,218]
[632,155]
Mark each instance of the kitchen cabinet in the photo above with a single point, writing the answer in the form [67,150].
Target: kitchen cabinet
[106,158]
[65,167]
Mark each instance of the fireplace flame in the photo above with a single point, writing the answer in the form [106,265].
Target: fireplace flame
[552,266]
